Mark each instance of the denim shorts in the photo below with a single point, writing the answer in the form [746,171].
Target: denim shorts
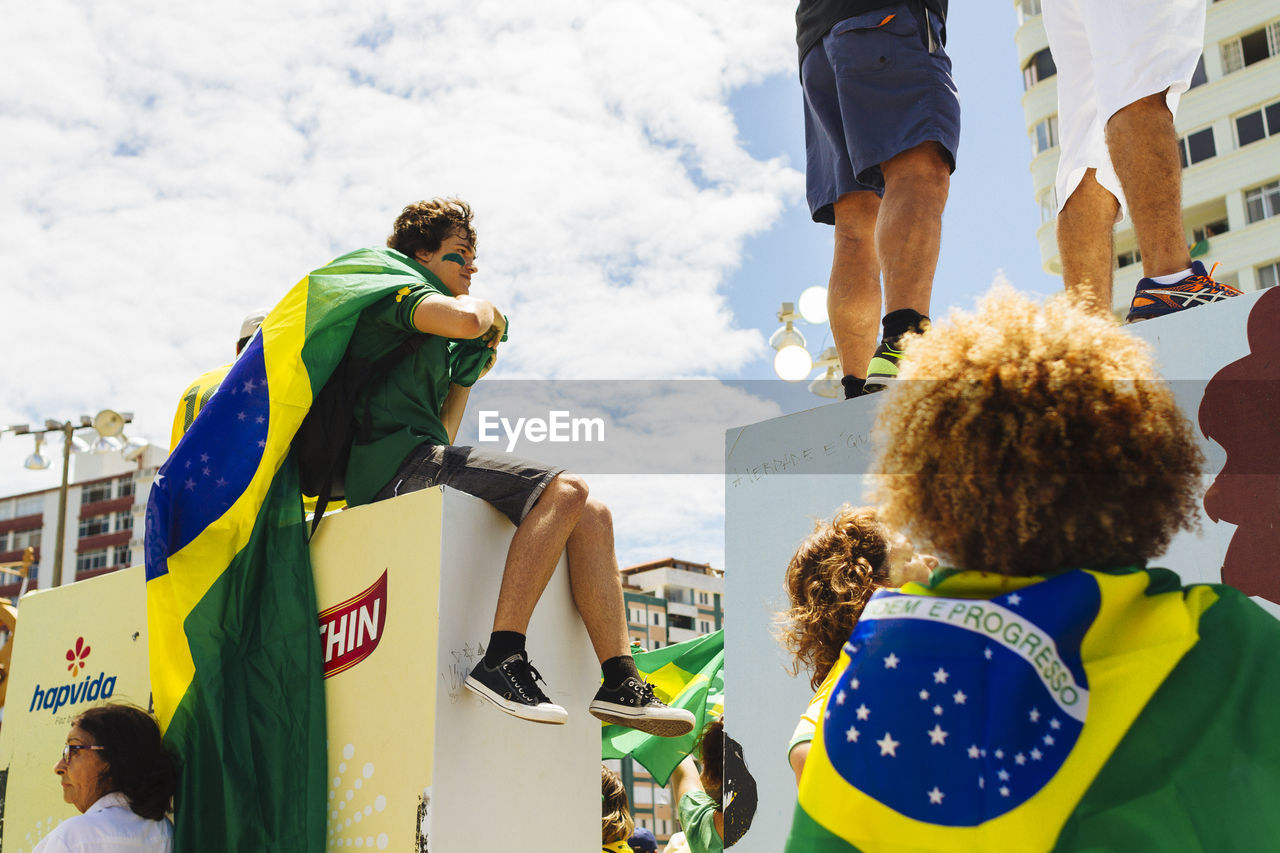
[510,484]
[876,85]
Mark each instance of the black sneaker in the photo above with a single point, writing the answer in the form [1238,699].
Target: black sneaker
[882,369]
[633,704]
[513,686]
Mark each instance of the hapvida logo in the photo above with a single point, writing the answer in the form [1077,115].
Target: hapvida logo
[350,631]
[69,694]
[77,657]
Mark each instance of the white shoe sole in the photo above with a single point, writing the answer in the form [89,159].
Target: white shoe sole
[668,722]
[546,713]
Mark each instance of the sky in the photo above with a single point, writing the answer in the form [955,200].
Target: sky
[636,171]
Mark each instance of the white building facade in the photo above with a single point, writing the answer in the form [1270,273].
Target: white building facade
[1229,136]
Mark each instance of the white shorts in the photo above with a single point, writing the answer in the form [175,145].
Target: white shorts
[1110,54]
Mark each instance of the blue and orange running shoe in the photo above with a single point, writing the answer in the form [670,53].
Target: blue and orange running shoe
[1153,299]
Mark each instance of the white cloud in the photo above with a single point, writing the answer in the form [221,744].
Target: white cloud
[169,167]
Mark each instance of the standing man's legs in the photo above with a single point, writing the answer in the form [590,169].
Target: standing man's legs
[1085,243]
[909,229]
[853,292]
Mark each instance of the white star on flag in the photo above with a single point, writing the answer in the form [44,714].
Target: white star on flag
[940,677]
[1015,599]
[220,482]
[249,385]
[1003,774]
[959,697]
[891,662]
[937,735]
[935,796]
[1004,790]
[854,684]
[1000,754]
[863,712]
[241,416]
[851,735]
[987,653]
[1020,759]
[1036,754]
[204,458]
[1054,724]
[937,710]
[888,745]
[1035,715]
[973,751]
[924,694]
[840,698]
[1048,740]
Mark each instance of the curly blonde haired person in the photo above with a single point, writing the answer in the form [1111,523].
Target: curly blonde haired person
[1024,439]
[829,580]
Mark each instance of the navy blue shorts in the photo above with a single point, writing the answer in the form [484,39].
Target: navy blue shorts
[510,484]
[876,85]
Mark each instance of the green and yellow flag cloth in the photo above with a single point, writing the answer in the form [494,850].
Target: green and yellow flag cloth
[1086,710]
[236,664]
[687,675]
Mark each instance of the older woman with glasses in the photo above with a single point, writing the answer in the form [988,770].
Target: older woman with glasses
[115,770]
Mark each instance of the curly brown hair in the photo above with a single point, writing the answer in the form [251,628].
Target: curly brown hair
[426,224]
[1025,439]
[616,823]
[829,580]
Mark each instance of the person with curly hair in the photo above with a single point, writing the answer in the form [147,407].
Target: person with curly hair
[1049,690]
[116,771]
[616,823]
[829,580]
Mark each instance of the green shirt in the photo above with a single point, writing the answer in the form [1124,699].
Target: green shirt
[402,411]
[698,819]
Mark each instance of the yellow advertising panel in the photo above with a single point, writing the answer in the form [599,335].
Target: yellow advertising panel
[75,646]
[377,575]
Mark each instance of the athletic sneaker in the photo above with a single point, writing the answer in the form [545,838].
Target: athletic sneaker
[513,686]
[633,704]
[882,369]
[1156,300]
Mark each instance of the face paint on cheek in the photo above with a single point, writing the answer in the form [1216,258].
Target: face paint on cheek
[455,257]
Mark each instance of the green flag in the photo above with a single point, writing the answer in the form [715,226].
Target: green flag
[687,675]
[236,663]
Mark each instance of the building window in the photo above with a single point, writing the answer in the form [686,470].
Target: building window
[30,505]
[1045,136]
[1128,259]
[655,618]
[124,487]
[1197,146]
[23,539]
[1027,9]
[704,598]
[1269,275]
[124,520]
[1210,229]
[1199,77]
[87,561]
[1039,67]
[1262,202]
[95,524]
[1258,124]
[95,492]
[1048,205]
[124,556]
[1251,47]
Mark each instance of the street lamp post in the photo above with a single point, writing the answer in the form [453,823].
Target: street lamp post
[109,425]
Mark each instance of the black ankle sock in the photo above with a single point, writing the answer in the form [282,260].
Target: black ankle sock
[619,669]
[852,386]
[502,645]
[898,323]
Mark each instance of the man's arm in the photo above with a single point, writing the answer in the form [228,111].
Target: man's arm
[459,317]
[455,403]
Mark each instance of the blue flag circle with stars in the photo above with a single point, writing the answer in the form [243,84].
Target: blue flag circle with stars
[956,711]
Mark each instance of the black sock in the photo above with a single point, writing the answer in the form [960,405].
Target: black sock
[898,323]
[852,386]
[502,645]
[619,669]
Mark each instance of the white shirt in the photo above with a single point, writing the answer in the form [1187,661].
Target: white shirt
[111,826]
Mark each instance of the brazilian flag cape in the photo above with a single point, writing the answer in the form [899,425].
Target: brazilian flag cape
[687,675]
[1087,710]
[236,665]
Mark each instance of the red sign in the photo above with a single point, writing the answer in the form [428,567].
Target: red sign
[350,631]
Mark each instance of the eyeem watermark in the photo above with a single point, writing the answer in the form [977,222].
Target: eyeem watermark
[558,427]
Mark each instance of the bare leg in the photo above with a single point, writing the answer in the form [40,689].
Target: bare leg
[535,550]
[1143,146]
[909,229]
[595,582]
[853,293]
[1085,227]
